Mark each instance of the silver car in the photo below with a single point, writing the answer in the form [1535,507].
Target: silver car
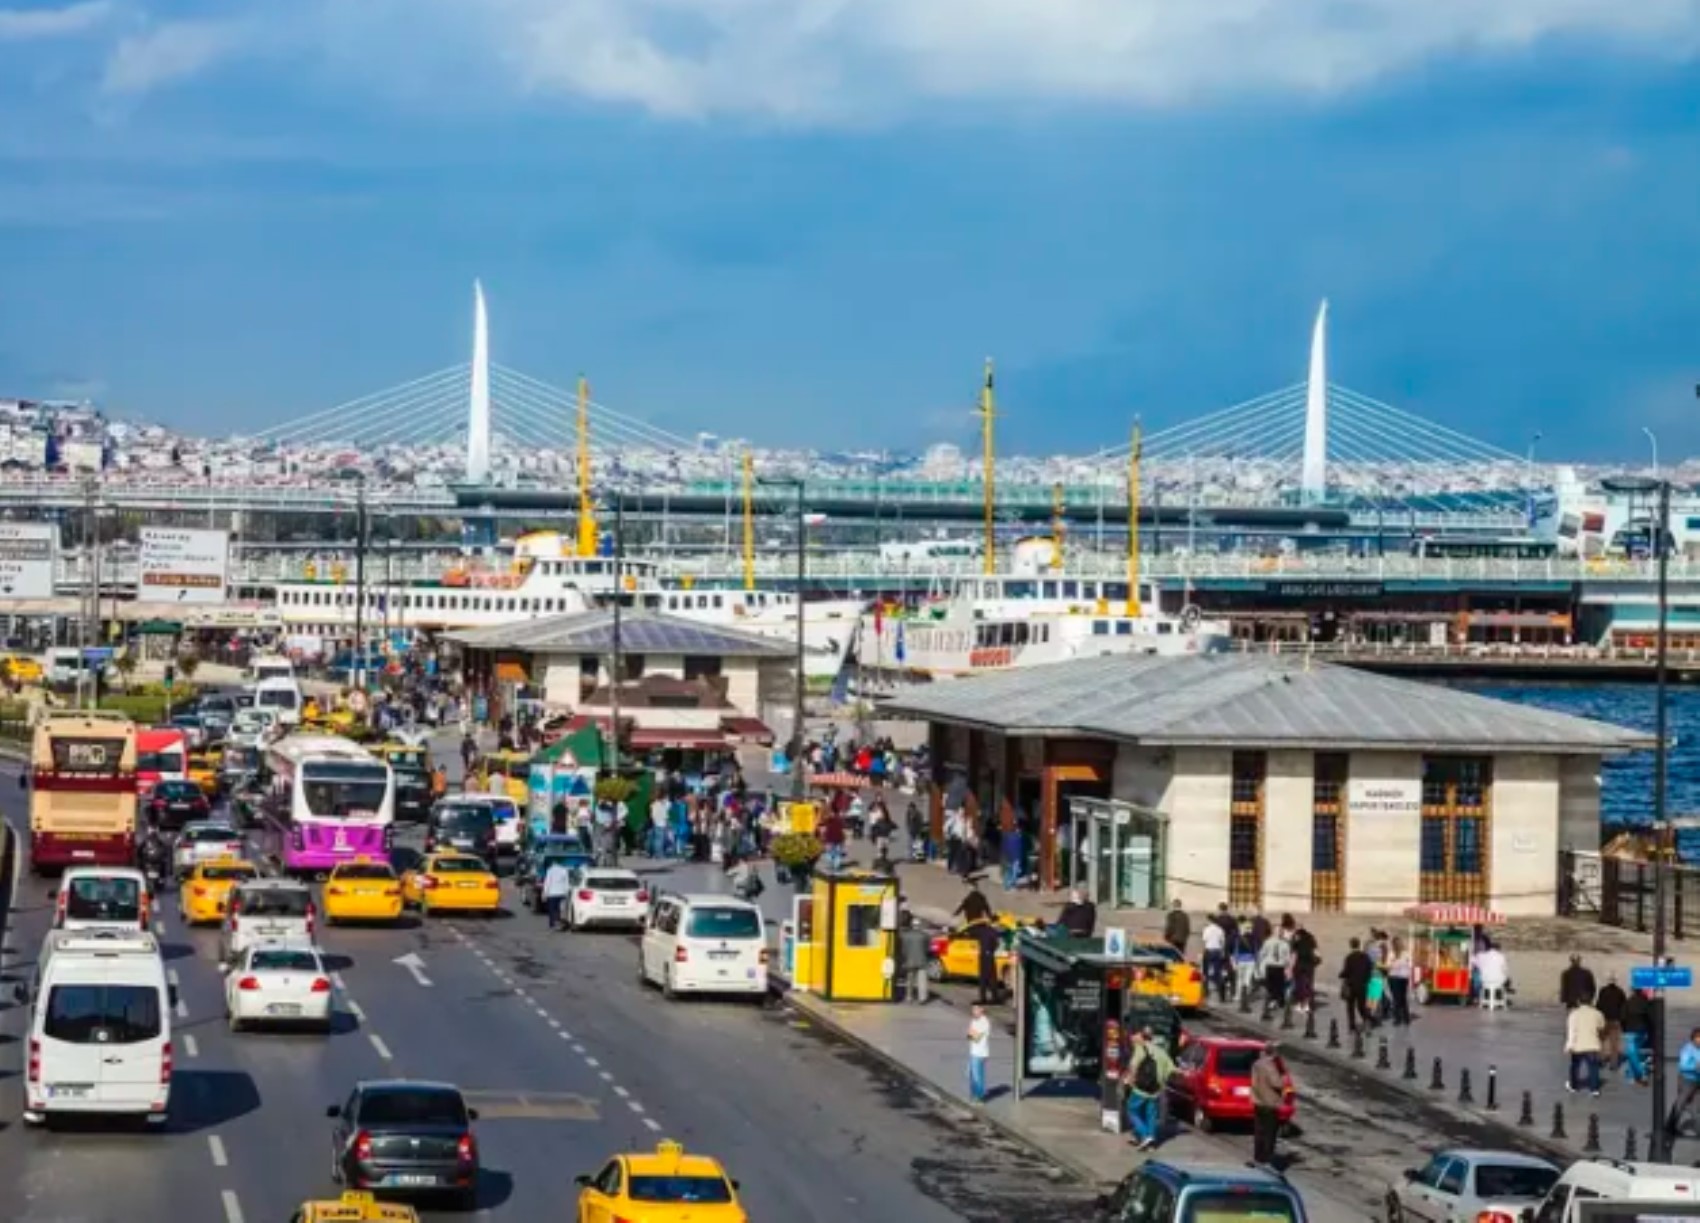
[204,841]
[1457,1186]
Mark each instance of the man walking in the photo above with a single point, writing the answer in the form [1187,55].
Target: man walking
[1268,1087]
[990,939]
[1583,1031]
[979,1052]
[1610,1004]
[1575,984]
[1177,927]
[1688,1074]
[1146,1076]
[913,952]
[557,882]
[1215,941]
[1637,1035]
[1354,985]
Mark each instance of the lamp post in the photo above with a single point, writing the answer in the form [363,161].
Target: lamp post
[1653,440]
[798,786]
[359,668]
[1658,1144]
[619,593]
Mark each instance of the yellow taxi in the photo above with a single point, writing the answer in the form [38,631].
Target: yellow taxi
[452,883]
[1177,980]
[362,890]
[205,891]
[515,770]
[955,955]
[662,1186]
[20,670]
[203,771]
[355,1206]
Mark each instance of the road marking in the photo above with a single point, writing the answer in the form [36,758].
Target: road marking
[182,1009]
[606,1077]
[171,976]
[621,1091]
[355,1009]
[336,979]
[553,1022]
[541,1011]
[190,1045]
[653,1124]
[216,1144]
[591,1062]
[414,965]
[380,1046]
[232,1207]
[634,1106]
[578,1049]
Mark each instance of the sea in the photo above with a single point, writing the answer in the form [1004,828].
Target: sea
[1626,782]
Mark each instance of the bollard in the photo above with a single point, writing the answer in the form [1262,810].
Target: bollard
[1493,1089]
[1382,1061]
[1310,1024]
[1526,1117]
[1464,1095]
[1410,1075]
[1245,1002]
[1591,1144]
[1630,1153]
[1437,1080]
[1333,1033]
[1558,1121]
[1287,1018]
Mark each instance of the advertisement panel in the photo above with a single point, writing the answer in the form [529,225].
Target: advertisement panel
[26,559]
[183,565]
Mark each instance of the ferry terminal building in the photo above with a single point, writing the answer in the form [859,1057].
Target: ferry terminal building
[1265,782]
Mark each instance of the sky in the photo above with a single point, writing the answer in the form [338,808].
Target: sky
[810,221]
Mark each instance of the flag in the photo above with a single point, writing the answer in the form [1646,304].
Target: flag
[902,654]
[879,617]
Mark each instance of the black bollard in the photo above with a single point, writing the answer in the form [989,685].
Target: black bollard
[1333,1033]
[1310,1024]
[1591,1144]
[1382,1061]
[1558,1121]
[1526,1116]
[1630,1153]
[1493,1089]
[1464,1095]
[1358,1045]
[1287,1018]
[1437,1080]
[1410,1075]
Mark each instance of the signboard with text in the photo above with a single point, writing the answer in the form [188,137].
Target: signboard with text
[26,559]
[183,566]
[1384,796]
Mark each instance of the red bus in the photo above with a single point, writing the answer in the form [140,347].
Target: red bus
[83,791]
[162,754]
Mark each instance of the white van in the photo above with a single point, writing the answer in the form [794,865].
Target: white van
[704,945]
[1614,1180]
[269,666]
[102,897]
[99,1027]
[282,697]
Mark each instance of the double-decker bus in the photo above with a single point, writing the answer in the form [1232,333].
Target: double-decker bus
[327,801]
[82,791]
[162,754]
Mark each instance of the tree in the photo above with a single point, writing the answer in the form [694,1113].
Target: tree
[187,665]
[125,664]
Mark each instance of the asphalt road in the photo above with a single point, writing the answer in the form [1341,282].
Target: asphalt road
[568,1058]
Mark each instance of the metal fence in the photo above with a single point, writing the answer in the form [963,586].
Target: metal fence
[1619,892]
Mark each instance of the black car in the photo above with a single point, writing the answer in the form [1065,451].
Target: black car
[468,827]
[408,1136]
[412,794]
[174,803]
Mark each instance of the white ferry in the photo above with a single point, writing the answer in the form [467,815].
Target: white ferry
[543,579]
[1026,618]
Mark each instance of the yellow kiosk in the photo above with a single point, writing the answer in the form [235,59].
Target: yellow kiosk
[851,938]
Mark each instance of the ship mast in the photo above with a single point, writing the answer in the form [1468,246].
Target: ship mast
[1059,528]
[1134,453]
[586,515]
[988,413]
[750,522]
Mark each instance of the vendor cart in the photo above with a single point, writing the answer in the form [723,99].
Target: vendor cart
[1442,940]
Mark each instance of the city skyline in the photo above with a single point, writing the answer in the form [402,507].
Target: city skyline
[744,224]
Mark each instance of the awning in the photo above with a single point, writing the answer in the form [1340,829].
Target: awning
[840,780]
[685,740]
[751,730]
[511,673]
[1437,914]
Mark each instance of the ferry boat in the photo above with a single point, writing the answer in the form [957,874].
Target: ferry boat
[545,579]
[1034,615]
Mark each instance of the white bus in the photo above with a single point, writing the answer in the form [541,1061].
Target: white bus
[282,697]
[328,801]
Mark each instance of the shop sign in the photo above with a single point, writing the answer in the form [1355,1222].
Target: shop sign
[1382,796]
[1325,590]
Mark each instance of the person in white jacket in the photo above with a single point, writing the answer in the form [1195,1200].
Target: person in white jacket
[1583,1032]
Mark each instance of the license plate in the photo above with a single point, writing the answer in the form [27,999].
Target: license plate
[368,892]
[409,1179]
[283,1008]
[70,1091]
[271,929]
[469,883]
[615,901]
[723,955]
[1242,1091]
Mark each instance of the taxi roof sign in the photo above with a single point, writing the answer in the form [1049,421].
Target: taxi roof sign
[358,1206]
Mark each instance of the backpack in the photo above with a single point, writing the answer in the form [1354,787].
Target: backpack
[1145,1080]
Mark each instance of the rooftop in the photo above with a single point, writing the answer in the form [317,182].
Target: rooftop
[1252,701]
[641,632]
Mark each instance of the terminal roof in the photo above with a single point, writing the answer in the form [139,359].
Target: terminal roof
[641,632]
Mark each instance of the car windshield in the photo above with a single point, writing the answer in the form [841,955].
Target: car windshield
[413,1107]
[724,923]
[283,960]
[276,902]
[1232,1063]
[1239,1206]
[210,834]
[465,819]
[611,883]
[173,790]
[363,870]
[103,898]
[709,1190]
[460,866]
[159,762]
[228,873]
[276,698]
[344,789]
[103,1014]
[1513,1181]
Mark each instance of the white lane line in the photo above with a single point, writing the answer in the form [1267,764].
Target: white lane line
[621,1091]
[182,1009]
[566,1035]
[336,980]
[578,1049]
[216,1145]
[521,994]
[591,1062]
[606,1077]
[232,1207]
[380,1046]
[541,1011]
[355,1009]
[191,1046]
[553,1022]
[634,1106]
[653,1124]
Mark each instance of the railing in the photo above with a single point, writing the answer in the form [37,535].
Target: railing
[1622,893]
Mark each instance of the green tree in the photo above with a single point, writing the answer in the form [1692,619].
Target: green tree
[125,664]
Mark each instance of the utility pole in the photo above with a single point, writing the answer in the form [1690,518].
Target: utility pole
[619,582]
[359,668]
[988,414]
[1660,1145]
[90,590]
[798,787]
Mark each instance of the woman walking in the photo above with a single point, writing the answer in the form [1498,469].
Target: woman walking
[1399,982]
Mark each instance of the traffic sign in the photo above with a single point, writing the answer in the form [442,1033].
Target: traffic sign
[26,559]
[1673,977]
[183,565]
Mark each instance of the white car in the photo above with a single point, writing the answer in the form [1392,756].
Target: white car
[267,911]
[281,983]
[204,841]
[102,897]
[252,727]
[604,896]
[1461,1186]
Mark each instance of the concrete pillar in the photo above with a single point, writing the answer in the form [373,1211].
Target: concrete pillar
[1288,803]
[1199,798]
[1524,866]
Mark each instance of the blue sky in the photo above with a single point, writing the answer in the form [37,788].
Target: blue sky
[810,220]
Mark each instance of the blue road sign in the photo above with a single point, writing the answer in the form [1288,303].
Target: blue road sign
[1661,978]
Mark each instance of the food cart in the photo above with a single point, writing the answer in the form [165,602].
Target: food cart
[1442,940]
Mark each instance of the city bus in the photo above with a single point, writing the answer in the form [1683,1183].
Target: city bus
[162,754]
[82,784]
[327,801]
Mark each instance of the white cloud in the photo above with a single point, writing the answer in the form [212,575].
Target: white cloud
[170,52]
[20,25]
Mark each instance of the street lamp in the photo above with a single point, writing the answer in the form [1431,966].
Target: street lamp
[359,669]
[1655,444]
[1658,1144]
[798,788]
[619,582]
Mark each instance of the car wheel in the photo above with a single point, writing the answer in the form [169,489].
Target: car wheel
[570,919]
[1395,1212]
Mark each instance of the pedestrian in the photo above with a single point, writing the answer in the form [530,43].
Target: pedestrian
[833,837]
[1576,984]
[991,942]
[1268,1094]
[1010,848]
[979,1052]
[1273,960]
[659,815]
[974,906]
[1583,1031]
[1215,941]
[914,953]
[1399,983]
[1177,927]
[1688,1075]
[1355,972]
[1637,1032]
[557,882]
[1610,1003]
[1306,960]
[1146,1078]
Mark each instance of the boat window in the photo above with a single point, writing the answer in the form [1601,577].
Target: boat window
[1071,590]
[595,567]
[719,601]
[702,601]
[1124,628]
[1048,590]
[1020,634]
[1100,628]
[1164,626]
[1146,595]
[1115,590]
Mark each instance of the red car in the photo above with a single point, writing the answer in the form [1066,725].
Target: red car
[1212,1082]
